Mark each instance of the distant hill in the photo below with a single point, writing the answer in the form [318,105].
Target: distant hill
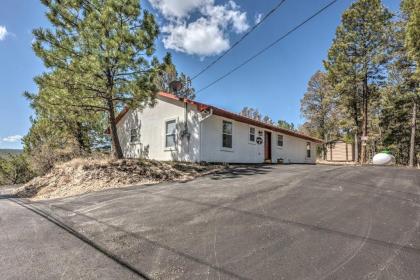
[5,152]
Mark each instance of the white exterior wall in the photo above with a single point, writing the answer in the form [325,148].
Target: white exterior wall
[205,143]
[244,151]
[293,150]
[151,122]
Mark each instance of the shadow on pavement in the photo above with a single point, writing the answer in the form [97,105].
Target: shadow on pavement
[7,196]
[236,171]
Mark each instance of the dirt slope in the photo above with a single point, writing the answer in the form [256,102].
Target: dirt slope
[87,175]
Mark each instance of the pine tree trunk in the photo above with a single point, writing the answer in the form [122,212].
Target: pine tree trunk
[80,138]
[116,146]
[356,134]
[365,121]
[413,135]
[356,147]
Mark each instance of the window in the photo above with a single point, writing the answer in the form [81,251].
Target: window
[170,130]
[252,134]
[134,135]
[227,134]
[280,140]
[308,149]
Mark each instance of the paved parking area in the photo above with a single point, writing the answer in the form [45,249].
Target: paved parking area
[264,222]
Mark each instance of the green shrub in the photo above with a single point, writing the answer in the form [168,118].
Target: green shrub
[14,169]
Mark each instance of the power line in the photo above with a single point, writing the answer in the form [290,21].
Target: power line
[268,46]
[240,39]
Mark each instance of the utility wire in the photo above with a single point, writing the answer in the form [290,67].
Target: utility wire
[240,39]
[268,46]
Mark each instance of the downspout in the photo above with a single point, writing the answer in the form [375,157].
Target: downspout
[201,142]
[185,131]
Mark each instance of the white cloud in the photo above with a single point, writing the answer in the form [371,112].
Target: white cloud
[258,18]
[200,37]
[3,32]
[12,138]
[206,35]
[178,9]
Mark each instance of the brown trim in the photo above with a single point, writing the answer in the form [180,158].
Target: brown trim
[200,106]
[267,145]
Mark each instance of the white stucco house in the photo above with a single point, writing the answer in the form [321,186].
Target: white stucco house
[186,130]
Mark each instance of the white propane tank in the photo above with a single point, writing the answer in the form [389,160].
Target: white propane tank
[383,159]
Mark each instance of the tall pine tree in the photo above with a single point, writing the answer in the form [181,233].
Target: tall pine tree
[356,59]
[401,96]
[411,15]
[319,108]
[168,73]
[51,104]
[411,19]
[99,51]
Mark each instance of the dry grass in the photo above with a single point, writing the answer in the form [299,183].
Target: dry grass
[83,175]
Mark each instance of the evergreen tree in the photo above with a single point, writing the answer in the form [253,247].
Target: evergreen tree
[401,96]
[286,125]
[411,15]
[254,114]
[319,109]
[245,112]
[251,113]
[14,169]
[411,19]
[356,60]
[395,123]
[99,52]
[85,127]
[168,73]
[46,144]
[267,120]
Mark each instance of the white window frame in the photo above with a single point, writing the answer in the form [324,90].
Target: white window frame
[282,140]
[223,133]
[249,135]
[165,134]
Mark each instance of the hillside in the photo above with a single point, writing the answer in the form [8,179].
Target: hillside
[5,152]
[82,175]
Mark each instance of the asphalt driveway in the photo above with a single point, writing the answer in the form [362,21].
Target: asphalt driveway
[265,222]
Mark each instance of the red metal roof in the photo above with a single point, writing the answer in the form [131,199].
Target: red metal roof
[229,115]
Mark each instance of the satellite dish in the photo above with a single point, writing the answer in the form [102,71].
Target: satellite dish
[175,86]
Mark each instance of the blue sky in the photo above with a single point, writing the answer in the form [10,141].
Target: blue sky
[194,31]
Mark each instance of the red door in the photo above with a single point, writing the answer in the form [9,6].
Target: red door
[267,145]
